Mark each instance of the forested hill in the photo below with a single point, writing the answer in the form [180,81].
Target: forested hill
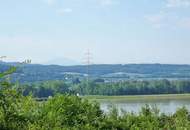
[34,72]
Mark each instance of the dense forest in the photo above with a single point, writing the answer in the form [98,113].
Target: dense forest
[95,87]
[33,72]
[67,112]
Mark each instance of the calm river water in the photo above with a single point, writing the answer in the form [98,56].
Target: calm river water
[165,106]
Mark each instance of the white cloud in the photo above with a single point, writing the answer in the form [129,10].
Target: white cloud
[64,11]
[165,20]
[178,3]
[108,2]
[185,23]
[170,18]
[50,2]
[157,20]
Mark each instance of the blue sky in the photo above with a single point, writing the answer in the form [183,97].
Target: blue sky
[115,31]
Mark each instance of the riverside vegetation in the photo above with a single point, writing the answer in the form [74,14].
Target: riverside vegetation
[68,112]
[51,88]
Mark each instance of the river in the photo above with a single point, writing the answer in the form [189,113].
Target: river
[167,106]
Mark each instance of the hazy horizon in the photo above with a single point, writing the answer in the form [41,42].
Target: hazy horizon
[115,31]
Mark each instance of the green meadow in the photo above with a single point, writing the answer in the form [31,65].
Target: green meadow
[139,97]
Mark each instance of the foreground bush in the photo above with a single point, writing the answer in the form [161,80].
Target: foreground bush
[61,112]
[64,112]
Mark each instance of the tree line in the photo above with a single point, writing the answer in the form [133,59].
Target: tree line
[51,88]
[134,87]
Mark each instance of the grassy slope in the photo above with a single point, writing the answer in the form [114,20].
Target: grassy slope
[140,97]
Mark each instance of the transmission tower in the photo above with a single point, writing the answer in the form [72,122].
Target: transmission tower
[88,62]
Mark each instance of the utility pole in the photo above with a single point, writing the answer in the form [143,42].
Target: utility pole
[27,61]
[2,57]
[1,60]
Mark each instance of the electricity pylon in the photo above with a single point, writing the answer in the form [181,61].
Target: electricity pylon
[88,62]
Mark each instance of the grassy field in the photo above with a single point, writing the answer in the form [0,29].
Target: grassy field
[140,97]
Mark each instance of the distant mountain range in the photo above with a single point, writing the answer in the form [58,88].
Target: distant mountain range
[36,72]
[62,61]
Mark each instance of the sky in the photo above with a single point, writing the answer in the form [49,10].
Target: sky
[114,31]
